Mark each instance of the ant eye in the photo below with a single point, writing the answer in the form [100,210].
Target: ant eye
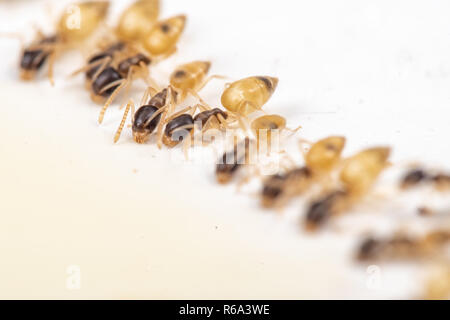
[180,74]
[165,28]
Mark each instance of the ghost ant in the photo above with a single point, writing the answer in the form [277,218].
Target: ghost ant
[419,176]
[187,79]
[357,176]
[401,246]
[148,117]
[121,50]
[33,57]
[320,160]
[232,161]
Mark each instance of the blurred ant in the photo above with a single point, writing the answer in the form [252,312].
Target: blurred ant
[33,57]
[320,160]
[232,161]
[401,246]
[357,176]
[187,79]
[113,69]
[248,95]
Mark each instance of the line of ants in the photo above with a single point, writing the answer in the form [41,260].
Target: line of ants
[140,41]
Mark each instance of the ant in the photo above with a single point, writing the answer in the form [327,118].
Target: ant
[320,160]
[159,42]
[357,176]
[401,246]
[419,176]
[232,161]
[43,48]
[187,79]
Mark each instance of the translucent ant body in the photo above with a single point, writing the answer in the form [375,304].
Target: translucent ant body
[357,176]
[89,15]
[138,20]
[320,160]
[248,95]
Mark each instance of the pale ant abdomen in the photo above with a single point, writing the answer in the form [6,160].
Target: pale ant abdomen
[281,187]
[322,209]
[138,19]
[248,95]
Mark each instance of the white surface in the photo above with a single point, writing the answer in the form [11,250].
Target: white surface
[378,73]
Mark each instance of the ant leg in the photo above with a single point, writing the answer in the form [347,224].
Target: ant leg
[195,95]
[202,107]
[246,107]
[241,122]
[187,143]
[51,62]
[123,83]
[159,134]
[102,67]
[170,105]
[179,113]
[207,80]
[130,104]
[147,78]
[102,63]
[150,91]
[154,115]
[293,131]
